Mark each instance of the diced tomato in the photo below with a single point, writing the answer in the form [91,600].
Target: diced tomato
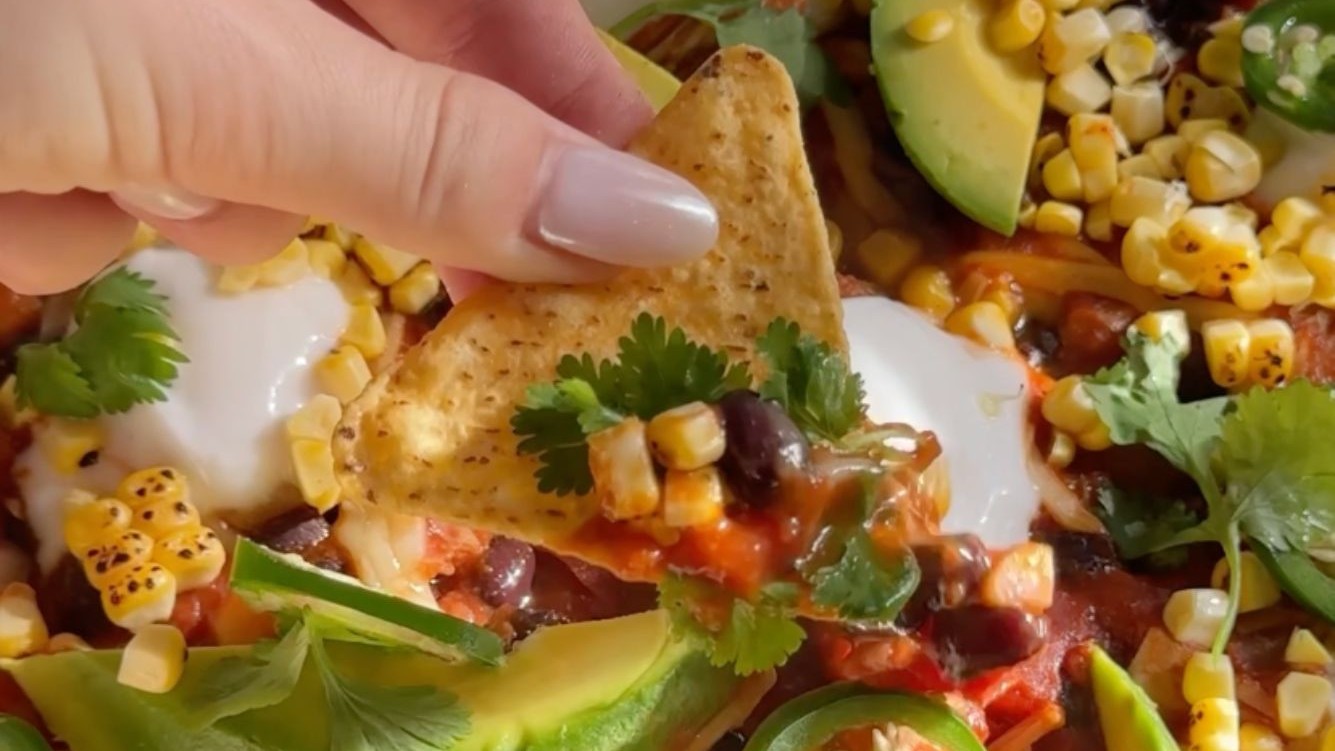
[451,548]
[1314,344]
[465,605]
[1091,331]
[738,554]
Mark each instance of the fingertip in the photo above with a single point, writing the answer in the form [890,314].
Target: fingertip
[232,234]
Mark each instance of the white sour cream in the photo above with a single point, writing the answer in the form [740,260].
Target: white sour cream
[975,400]
[222,424]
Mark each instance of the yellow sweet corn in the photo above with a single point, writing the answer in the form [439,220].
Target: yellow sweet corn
[1259,590]
[71,445]
[888,254]
[1254,737]
[365,331]
[1208,676]
[145,595]
[1131,57]
[1292,281]
[1062,452]
[985,323]
[343,373]
[1127,19]
[624,477]
[154,660]
[1213,725]
[152,485]
[233,280]
[1081,89]
[1094,142]
[930,26]
[1212,246]
[1046,147]
[1149,198]
[1193,616]
[316,419]
[1254,293]
[161,518]
[357,287]
[415,291]
[111,560]
[292,263]
[1271,353]
[1193,130]
[1068,406]
[1190,98]
[1272,241]
[1222,166]
[1058,218]
[1098,221]
[1028,212]
[687,437]
[1302,702]
[66,643]
[1165,323]
[1227,351]
[928,288]
[89,523]
[339,235]
[384,264]
[1017,25]
[144,236]
[1220,60]
[692,498]
[1072,39]
[1318,254]
[22,629]
[313,461]
[1140,165]
[1143,248]
[327,259]
[1305,649]
[1022,577]
[832,231]
[1096,438]
[1170,153]
[1294,217]
[1061,177]
[194,556]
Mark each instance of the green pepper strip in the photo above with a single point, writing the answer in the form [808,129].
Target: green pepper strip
[1301,579]
[813,719]
[1314,110]
[17,735]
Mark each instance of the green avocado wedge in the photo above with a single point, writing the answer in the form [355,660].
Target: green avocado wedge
[966,114]
[623,684]
[1130,720]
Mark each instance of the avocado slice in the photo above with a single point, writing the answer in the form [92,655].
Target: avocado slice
[966,114]
[658,84]
[604,686]
[1130,720]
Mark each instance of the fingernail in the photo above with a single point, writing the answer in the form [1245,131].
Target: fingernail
[615,208]
[169,203]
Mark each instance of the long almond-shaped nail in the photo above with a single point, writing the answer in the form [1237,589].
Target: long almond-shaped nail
[618,209]
[165,202]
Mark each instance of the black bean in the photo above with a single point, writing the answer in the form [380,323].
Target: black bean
[735,740]
[293,531]
[952,568]
[764,447]
[506,577]
[975,638]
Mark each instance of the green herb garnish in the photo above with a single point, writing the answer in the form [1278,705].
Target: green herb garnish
[752,637]
[122,353]
[812,382]
[1141,526]
[866,584]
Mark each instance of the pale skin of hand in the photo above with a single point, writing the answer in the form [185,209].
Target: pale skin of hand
[471,132]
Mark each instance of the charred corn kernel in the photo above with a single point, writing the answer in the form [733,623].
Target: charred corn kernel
[111,560]
[692,498]
[1068,406]
[1062,451]
[1022,577]
[1208,676]
[357,287]
[1318,253]
[88,524]
[161,518]
[67,643]
[326,257]
[928,289]
[415,291]
[1140,165]
[1193,616]
[1254,293]
[194,556]
[145,595]
[152,485]
[623,471]
[1227,351]
[1127,19]
[931,26]
[1148,198]
[1159,324]
[1271,354]
[233,280]
[343,373]
[1170,153]
[1220,60]
[1193,130]
[1259,590]
[1130,57]
[1070,40]
[1213,725]
[1097,438]
[154,660]
[316,419]
[384,264]
[1080,89]
[365,331]
[985,323]
[888,254]
[1058,218]
[1254,737]
[1045,148]
[313,461]
[1061,177]
[71,445]
[1301,702]
[687,437]
[1017,25]
[291,264]
[1098,221]
[1214,248]
[1295,217]
[1222,166]
[1142,250]
[1189,98]
[1293,282]
[339,235]
[22,628]
[1094,141]
[1305,649]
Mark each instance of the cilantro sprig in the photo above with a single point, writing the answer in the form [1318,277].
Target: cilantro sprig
[812,382]
[752,637]
[1261,460]
[122,353]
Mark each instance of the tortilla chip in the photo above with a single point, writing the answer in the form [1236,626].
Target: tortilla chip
[433,437]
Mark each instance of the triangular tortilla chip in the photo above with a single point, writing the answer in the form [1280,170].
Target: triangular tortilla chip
[433,436]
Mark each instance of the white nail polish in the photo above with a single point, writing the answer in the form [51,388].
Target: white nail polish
[165,202]
[618,209]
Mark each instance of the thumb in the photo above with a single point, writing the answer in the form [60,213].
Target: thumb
[277,104]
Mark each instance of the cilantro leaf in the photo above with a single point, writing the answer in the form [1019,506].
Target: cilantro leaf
[752,637]
[811,381]
[659,370]
[236,685]
[121,289]
[1142,526]
[50,381]
[865,584]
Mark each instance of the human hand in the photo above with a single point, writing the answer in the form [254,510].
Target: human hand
[223,122]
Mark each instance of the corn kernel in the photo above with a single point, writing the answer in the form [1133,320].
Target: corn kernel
[1062,451]
[234,280]
[1081,89]
[153,485]
[327,259]
[1214,248]
[692,498]
[339,235]
[144,236]
[1097,438]
[316,419]
[154,660]
[985,323]
[1220,60]
[1017,25]
[111,560]
[1305,649]
[292,263]
[1061,177]
[1098,222]
[1094,143]
[313,461]
[1140,165]
[66,643]
[1045,148]
[1227,351]
[71,445]
[357,287]
[365,331]
[1295,218]
[1302,701]
[1148,198]
[343,373]
[1292,281]
[1143,247]
[623,471]
[22,628]
[1069,40]
[1213,725]
[384,264]
[1130,57]
[1255,293]
[1193,616]
[88,524]
[161,518]
[1068,406]
[1222,166]
[1058,218]
[194,556]
[1194,130]
[1127,19]
[1259,590]
[1318,253]
[1161,324]
[928,288]
[1271,351]
[1190,98]
[145,595]
[1208,676]
[888,254]
[687,437]
[1170,153]
[1254,737]
[415,291]
[931,26]
[1021,577]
